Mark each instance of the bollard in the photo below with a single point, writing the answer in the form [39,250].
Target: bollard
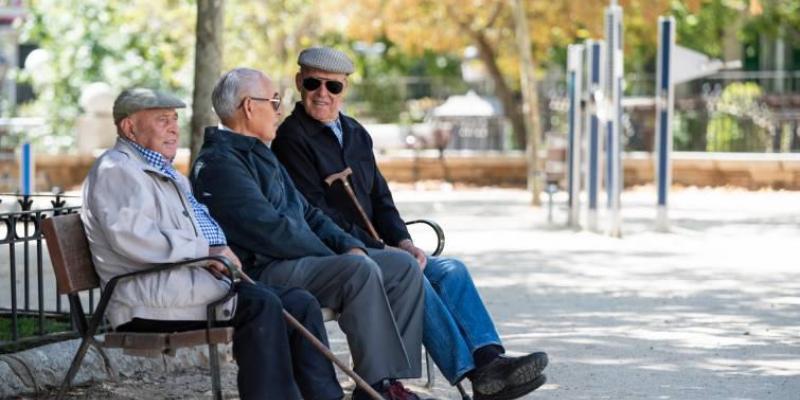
[552,188]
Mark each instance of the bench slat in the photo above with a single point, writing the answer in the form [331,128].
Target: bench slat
[164,342]
[69,252]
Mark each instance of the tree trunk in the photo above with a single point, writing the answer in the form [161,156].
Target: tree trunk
[504,92]
[207,68]
[530,100]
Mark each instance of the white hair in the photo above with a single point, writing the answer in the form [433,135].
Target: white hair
[231,88]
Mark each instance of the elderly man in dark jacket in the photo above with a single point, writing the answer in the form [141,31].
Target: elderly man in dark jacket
[289,242]
[316,141]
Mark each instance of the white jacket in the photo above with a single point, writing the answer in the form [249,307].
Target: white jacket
[135,216]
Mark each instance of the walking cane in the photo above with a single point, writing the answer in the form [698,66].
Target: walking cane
[342,176]
[322,348]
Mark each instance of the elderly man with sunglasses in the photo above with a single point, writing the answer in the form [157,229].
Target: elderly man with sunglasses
[318,140]
[283,240]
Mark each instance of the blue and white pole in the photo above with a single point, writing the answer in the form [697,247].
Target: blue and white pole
[594,62]
[575,89]
[26,170]
[613,90]
[665,101]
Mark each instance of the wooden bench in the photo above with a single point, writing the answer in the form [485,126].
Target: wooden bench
[74,271]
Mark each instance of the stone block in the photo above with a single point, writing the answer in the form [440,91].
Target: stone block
[11,384]
[45,367]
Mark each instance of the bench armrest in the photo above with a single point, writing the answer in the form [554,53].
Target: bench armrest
[195,262]
[437,229]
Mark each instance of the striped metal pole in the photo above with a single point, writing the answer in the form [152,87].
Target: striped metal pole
[26,170]
[613,90]
[665,100]
[575,89]
[594,62]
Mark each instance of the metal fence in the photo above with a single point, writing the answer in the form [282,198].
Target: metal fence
[731,111]
[31,311]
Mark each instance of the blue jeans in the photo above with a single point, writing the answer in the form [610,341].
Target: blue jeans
[456,321]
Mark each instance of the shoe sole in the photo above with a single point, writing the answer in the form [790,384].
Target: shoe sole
[524,374]
[528,372]
[519,391]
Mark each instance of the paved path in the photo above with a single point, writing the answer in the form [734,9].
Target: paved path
[708,311]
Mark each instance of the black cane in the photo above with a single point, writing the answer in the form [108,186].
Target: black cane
[322,348]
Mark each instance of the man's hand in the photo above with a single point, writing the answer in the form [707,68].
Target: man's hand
[408,245]
[216,267]
[356,252]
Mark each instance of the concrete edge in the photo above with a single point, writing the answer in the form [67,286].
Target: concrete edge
[34,371]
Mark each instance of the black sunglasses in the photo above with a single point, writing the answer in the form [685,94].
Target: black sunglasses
[276,102]
[312,84]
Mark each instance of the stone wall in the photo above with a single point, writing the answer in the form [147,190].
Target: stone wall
[747,170]
[751,171]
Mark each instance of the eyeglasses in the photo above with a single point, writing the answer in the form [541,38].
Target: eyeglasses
[311,84]
[276,101]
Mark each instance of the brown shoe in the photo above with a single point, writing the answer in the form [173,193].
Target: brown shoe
[390,390]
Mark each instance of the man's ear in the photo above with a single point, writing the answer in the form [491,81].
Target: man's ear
[298,82]
[247,108]
[126,127]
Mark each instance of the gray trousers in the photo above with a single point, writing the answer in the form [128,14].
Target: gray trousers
[380,300]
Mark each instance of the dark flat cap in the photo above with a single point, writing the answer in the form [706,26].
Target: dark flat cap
[326,59]
[138,99]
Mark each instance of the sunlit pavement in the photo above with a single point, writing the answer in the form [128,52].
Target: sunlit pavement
[709,310]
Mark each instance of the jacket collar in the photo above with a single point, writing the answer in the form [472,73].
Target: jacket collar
[124,147]
[311,125]
[236,140]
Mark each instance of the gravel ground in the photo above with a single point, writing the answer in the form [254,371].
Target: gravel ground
[706,311]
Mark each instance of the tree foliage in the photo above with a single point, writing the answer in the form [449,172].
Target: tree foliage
[121,43]
[151,43]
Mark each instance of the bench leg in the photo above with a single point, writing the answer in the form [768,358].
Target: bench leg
[432,377]
[429,369]
[74,367]
[462,392]
[213,359]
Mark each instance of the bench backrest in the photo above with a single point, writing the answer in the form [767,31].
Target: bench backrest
[69,254]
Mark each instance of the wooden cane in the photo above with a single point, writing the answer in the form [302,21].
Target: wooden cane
[343,176]
[322,348]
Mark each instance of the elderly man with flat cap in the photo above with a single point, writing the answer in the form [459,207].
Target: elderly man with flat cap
[318,140]
[139,211]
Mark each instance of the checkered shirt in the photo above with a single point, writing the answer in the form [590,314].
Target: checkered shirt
[210,229]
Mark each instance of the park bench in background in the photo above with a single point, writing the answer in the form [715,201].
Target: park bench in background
[74,271]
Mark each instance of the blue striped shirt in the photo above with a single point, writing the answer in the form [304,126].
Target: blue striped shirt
[210,229]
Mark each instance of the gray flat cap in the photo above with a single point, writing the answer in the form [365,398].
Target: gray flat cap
[326,59]
[138,99]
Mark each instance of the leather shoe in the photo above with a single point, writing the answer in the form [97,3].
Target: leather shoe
[513,391]
[509,377]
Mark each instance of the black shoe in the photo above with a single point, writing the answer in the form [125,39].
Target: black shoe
[513,391]
[509,377]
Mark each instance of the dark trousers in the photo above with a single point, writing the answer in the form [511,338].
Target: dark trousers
[275,361]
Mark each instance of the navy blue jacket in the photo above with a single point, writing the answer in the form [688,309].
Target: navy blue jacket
[252,197]
[310,152]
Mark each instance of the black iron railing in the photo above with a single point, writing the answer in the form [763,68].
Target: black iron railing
[31,311]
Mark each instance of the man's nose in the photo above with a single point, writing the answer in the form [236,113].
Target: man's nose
[323,90]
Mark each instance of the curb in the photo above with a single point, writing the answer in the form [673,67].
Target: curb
[33,371]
